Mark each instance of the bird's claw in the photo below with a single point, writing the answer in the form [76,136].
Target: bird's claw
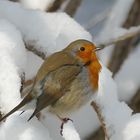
[64,120]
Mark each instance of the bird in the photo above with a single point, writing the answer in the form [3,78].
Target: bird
[65,82]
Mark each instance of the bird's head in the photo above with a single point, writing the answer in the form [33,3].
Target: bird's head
[83,50]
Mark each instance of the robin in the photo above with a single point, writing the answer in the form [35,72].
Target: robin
[66,80]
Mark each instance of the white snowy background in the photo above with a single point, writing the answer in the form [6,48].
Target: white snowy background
[51,32]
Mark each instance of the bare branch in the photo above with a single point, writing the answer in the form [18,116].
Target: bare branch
[135,102]
[55,6]
[72,7]
[22,77]
[97,135]
[0,115]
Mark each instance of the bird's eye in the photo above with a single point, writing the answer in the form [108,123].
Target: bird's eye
[82,49]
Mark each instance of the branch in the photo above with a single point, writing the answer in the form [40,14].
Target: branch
[101,118]
[22,77]
[36,51]
[135,102]
[129,34]
[55,6]
[133,31]
[122,49]
[72,7]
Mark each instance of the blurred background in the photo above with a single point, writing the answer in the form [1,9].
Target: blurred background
[104,19]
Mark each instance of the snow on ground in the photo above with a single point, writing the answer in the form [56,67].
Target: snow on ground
[36,4]
[12,64]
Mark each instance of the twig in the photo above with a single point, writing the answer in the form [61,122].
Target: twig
[133,31]
[36,51]
[72,7]
[22,77]
[0,115]
[101,118]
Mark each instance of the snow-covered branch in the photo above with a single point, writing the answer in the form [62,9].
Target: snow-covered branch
[133,31]
[41,32]
[12,64]
[101,118]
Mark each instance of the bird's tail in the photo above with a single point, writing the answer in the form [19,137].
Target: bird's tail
[26,100]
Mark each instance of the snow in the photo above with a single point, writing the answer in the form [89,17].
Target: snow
[132,126]
[17,128]
[12,64]
[114,22]
[116,113]
[51,32]
[128,79]
[33,64]
[112,27]
[69,132]
[36,4]
[40,28]
[120,122]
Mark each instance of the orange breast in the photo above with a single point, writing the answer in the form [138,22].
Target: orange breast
[94,68]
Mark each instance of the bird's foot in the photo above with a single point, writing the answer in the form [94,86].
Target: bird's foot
[64,121]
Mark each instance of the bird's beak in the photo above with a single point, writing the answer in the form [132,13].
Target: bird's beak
[97,49]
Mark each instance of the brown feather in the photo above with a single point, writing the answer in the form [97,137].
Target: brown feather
[55,86]
[26,100]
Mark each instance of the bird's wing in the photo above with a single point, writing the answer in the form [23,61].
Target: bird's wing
[53,62]
[55,84]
